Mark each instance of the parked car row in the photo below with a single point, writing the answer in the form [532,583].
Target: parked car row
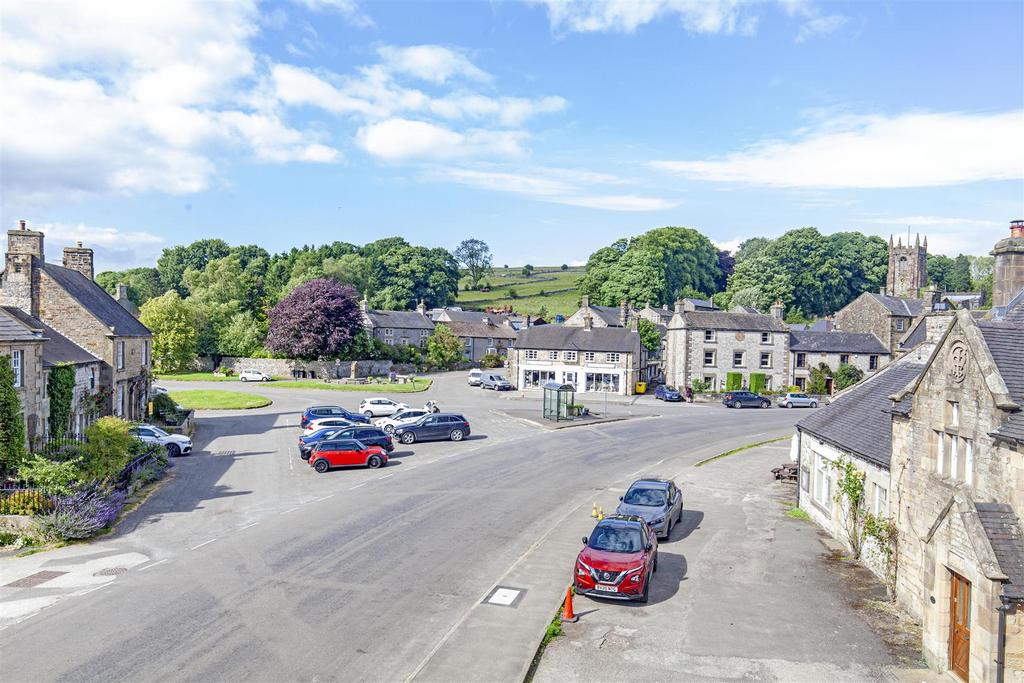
[792,399]
[488,379]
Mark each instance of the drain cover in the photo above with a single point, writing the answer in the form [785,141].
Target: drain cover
[111,571]
[33,580]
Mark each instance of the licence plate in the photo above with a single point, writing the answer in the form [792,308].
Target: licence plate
[606,589]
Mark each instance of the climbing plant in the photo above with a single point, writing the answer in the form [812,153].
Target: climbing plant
[61,388]
[850,496]
[883,531]
[817,383]
[12,426]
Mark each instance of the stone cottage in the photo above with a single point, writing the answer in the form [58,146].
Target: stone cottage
[889,318]
[398,328]
[23,349]
[809,350]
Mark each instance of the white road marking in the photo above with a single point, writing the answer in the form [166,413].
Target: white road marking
[202,544]
[387,475]
[287,511]
[330,495]
[251,524]
[150,566]
[357,486]
[410,468]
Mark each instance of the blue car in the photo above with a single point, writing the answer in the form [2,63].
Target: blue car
[319,412]
[370,436]
[666,393]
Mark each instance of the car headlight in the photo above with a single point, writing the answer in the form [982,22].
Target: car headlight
[659,520]
[635,578]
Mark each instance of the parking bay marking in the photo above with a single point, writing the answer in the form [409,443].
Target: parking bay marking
[150,566]
[202,544]
[287,511]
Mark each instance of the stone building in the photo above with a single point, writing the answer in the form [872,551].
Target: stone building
[958,495]
[483,337]
[398,328]
[23,349]
[887,317]
[663,316]
[68,300]
[810,349]
[602,316]
[908,268]
[708,345]
[592,359]
[1008,269]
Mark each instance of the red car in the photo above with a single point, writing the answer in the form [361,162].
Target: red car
[346,452]
[618,559]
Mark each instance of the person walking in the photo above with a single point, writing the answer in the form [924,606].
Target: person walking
[689,394]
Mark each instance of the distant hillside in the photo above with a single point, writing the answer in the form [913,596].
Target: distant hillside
[549,287]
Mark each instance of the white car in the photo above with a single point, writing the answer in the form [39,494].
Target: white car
[378,407]
[251,375]
[176,444]
[474,377]
[315,425]
[388,424]
[157,391]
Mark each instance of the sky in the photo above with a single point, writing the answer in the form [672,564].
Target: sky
[546,128]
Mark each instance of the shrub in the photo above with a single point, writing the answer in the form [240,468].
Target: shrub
[757,382]
[492,360]
[12,425]
[53,477]
[225,371]
[25,503]
[152,471]
[733,381]
[108,448]
[81,515]
[60,387]
[699,386]
[512,293]
[847,375]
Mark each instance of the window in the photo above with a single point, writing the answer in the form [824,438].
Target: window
[954,460]
[92,378]
[388,332]
[569,378]
[490,342]
[844,359]
[120,355]
[602,382]
[424,333]
[766,337]
[940,452]
[901,324]
[801,360]
[612,357]
[872,362]
[389,342]
[953,413]
[469,344]
[552,355]
[120,399]
[766,360]
[881,500]
[589,356]
[968,460]
[570,356]
[737,359]
[710,381]
[145,354]
[709,358]
[531,355]
[822,482]
[17,365]
[423,342]
[801,383]
[709,335]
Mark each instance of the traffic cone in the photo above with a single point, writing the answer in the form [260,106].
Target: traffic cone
[600,513]
[594,513]
[568,616]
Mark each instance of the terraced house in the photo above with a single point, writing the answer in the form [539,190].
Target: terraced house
[809,349]
[23,349]
[398,328]
[67,300]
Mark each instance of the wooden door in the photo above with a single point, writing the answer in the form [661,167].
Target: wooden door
[959,625]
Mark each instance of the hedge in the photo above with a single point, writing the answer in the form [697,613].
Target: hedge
[733,381]
[757,382]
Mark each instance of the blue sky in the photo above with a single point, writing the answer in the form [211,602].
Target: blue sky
[546,128]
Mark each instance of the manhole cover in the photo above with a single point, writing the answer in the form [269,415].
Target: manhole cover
[111,571]
[33,580]
[505,596]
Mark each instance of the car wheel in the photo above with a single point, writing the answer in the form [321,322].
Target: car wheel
[266,379]
[321,466]
[374,462]
[456,435]
[737,404]
[766,404]
[814,404]
[789,405]
[645,596]
[173,450]
[367,414]
[389,429]
[242,379]
[408,438]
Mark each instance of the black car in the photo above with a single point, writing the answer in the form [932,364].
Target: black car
[370,436]
[742,399]
[320,412]
[434,427]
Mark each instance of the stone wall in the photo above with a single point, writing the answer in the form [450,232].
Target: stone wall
[35,407]
[284,367]
[1008,270]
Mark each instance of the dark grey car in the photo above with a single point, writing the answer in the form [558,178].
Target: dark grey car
[742,399]
[658,501]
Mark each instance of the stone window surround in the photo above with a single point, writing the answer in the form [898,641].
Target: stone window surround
[901,324]
[766,337]
[713,358]
[844,359]
[873,362]
[552,355]
[766,360]
[531,354]
[388,332]
[588,356]
[119,355]
[710,336]
[742,355]
[18,366]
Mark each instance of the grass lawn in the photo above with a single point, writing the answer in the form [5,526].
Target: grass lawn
[419,384]
[197,377]
[215,399]
[559,287]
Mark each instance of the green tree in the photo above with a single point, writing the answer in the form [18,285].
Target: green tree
[817,383]
[444,349]
[649,335]
[60,387]
[403,275]
[751,248]
[243,335]
[174,261]
[847,375]
[475,256]
[12,425]
[565,266]
[527,270]
[939,270]
[960,276]
[216,293]
[173,323]
[107,448]
[143,283]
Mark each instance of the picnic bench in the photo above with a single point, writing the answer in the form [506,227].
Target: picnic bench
[787,471]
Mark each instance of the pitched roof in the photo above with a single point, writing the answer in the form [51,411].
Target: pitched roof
[898,306]
[558,337]
[1005,341]
[722,320]
[12,330]
[463,316]
[97,301]
[609,314]
[1004,534]
[57,348]
[858,420]
[480,330]
[918,333]
[400,319]
[836,342]
[819,325]
[745,309]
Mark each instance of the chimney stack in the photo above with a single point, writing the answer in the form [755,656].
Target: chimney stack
[588,322]
[25,242]
[1016,228]
[364,305]
[421,307]
[122,291]
[680,306]
[778,310]
[79,258]
[585,301]
[623,313]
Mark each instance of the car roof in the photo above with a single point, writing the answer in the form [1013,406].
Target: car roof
[621,520]
[650,483]
[321,407]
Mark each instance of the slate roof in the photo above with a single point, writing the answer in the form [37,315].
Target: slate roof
[57,348]
[819,325]
[721,320]
[480,330]
[96,300]
[1005,342]
[836,342]
[701,305]
[400,320]
[898,306]
[12,330]
[1004,534]
[745,309]
[917,335]
[609,314]
[559,337]
[858,421]
[468,316]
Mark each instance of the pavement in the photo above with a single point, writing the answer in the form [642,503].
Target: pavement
[246,564]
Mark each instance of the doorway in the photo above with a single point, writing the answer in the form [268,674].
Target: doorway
[959,626]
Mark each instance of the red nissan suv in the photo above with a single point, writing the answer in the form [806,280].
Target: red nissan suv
[341,452]
[617,559]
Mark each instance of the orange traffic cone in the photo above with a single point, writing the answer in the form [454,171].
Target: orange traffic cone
[568,616]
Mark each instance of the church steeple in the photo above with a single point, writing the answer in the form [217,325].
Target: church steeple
[908,267]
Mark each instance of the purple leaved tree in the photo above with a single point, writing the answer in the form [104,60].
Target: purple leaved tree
[315,321]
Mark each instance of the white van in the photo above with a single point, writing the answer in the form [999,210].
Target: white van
[474,378]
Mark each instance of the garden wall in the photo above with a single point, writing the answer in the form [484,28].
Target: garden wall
[286,367]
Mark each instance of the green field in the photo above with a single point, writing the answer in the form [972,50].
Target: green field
[215,399]
[558,287]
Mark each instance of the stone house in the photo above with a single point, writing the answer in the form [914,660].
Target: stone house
[602,316]
[398,328]
[663,316]
[809,349]
[23,349]
[458,315]
[958,496]
[67,299]
[708,345]
[590,358]
[483,337]
[887,317]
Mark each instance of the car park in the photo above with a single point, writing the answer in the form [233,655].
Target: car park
[742,399]
[796,400]
[366,434]
[315,412]
[667,393]
[322,422]
[495,381]
[346,453]
[433,428]
[410,415]
[617,560]
[379,407]
[251,375]
[473,379]
[176,444]
[658,501]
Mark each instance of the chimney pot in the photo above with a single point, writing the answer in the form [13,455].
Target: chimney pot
[1017,228]
[23,224]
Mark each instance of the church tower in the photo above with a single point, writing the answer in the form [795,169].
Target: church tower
[908,268]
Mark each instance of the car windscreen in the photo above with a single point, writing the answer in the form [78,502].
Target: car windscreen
[617,539]
[646,497]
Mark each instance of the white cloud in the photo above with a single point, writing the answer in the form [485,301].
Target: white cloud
[909,150]
[432,63]
[620,202]
[349,9]
[696,16]
[820,26]
[399,139]
[730,246]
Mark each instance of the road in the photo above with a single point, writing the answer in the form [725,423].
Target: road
[260,569]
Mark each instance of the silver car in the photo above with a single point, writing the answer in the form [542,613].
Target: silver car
[795,400]
[657,500]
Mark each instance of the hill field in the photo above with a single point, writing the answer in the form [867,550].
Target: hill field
[549,287]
